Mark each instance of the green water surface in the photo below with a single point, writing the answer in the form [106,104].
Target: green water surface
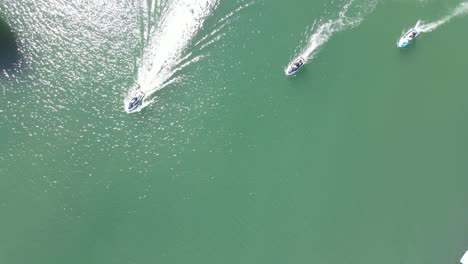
[360,158]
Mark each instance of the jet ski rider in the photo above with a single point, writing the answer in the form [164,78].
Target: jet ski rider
[412,35]
[133,101]
[297,64]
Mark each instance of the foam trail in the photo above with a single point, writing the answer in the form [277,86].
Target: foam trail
[220,25]
[209,38]
[462,9]
[327,28]
[178,24]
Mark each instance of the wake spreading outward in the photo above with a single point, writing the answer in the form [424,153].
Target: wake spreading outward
[351,14]
[462,9]
[178,24]
[421,27]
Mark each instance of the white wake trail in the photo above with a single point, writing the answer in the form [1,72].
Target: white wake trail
[344,21]
[178,24]
[462,9]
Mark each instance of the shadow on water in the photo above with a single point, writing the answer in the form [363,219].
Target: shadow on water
[10,58]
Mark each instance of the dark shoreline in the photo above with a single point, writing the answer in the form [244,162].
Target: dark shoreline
[10,56]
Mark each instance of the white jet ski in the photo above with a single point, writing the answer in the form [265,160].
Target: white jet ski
[464,259]
[135,102]
[295,66]
[408,37]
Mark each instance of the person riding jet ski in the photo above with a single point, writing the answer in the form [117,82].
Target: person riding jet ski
[408,38]
[295,66]
[412,35]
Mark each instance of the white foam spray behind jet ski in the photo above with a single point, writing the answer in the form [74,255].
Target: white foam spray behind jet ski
[179,21]
[462,9]
[351,14]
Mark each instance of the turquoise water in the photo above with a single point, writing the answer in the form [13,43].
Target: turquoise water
[359,158]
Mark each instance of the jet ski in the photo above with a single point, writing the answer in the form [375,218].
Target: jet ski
[408,38]
[295,66]
[464,259]
[136,101]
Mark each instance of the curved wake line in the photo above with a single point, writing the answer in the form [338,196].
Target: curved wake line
[178,24]
[462,9]
[326,29]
